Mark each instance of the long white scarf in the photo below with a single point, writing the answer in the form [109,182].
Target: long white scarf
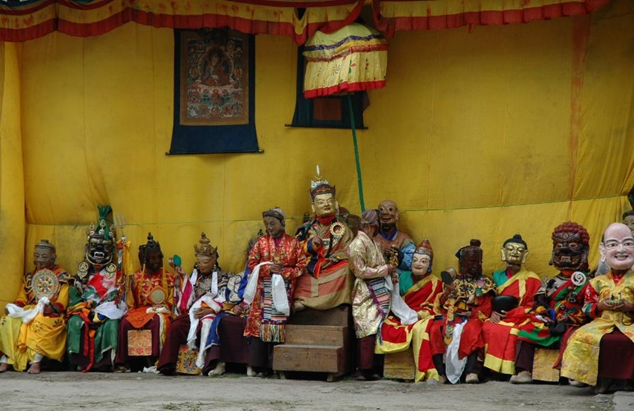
[399,306]
[278,289]
[15,311]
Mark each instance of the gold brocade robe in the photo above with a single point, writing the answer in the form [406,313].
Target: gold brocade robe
[45,334]
[367,262]
[581,358]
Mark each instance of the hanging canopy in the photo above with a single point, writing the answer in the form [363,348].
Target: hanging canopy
[298,19]
[393,15]
[353,58]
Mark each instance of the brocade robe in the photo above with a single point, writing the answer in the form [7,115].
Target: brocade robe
[45,334]
[395,337]
[559,297]
[501,339]
[264,321]
[581,358]
[153,296]
[401,241]
[370,295]
[94,310]
[469,304]
[329,282]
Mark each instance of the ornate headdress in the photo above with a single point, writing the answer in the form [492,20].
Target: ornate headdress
[627,214]
[204,247]
[370,217]
[103,234]
[321,186]
[567,228]
[275,212]
[425,248]
[517,239]
[472,249]
[45,244]
[149,247]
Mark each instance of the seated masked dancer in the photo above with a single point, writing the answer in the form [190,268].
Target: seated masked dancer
[95,305]
[153,302]
[200,299]
[275,263]
[603,349]
[558,309]
[391,239]
[371,292]
[465,303]
[515,293]
[419,290]
[325,241]
[34,327]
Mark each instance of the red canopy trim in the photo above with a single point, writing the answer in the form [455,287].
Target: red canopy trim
[32,19]
[393,15]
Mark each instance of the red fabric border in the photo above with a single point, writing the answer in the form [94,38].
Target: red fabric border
[176,22]
[488,17]
[344,87]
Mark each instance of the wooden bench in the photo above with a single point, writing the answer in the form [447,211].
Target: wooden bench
[317,341]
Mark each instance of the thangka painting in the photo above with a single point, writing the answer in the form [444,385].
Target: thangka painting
[214,77]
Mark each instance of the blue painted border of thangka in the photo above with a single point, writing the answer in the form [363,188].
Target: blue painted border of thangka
[217,139]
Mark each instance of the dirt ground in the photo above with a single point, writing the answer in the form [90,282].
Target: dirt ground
[106,391]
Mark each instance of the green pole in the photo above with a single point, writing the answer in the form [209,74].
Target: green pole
[356,153]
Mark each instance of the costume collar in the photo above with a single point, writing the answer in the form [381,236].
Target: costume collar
[326,220]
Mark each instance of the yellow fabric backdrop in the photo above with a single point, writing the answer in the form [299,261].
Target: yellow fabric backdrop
[482,134]
[12,222]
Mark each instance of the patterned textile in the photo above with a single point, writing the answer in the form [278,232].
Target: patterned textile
[500,339]
[469,303]
[264,321]
[581,358]
[31,19]
[395,337]
[401,241]
[564,301]
[370,296]
[352,59]
[393,15]
[328,283]
[45,334]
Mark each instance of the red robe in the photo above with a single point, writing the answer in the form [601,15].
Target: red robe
[501,339]
[264,322]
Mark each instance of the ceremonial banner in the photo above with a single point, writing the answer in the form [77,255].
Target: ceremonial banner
[214,86]
[214,92]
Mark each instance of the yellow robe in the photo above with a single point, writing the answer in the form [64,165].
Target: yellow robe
[45,335]
[581,358]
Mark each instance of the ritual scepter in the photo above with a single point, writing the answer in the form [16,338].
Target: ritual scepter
[123,257]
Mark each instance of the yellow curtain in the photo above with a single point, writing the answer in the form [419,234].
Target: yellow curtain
[12,223]
[478,134]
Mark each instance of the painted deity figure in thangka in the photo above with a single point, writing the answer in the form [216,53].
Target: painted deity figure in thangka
[144,327]
[515,289]
[464,305]
[275,263]
[95,305]
[202,297]
[325,240]
[34,326]
[558,309]
[603,349]
[391,239]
